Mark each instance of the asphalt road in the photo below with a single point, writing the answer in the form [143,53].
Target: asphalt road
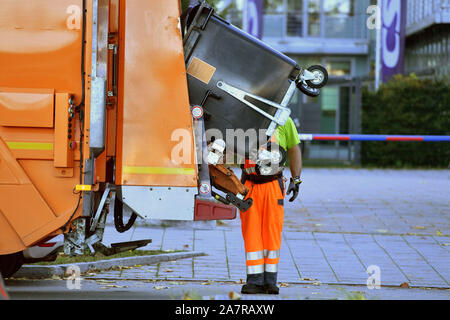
[102,289]
[344,221]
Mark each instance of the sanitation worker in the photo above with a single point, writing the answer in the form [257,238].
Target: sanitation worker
[263,222]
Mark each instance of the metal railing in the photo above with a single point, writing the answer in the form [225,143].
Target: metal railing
[372,137]
[423,13]
[296,24]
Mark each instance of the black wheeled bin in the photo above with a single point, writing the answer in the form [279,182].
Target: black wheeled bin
[216,51]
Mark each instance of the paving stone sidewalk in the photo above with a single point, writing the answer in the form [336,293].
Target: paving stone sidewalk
[344,221]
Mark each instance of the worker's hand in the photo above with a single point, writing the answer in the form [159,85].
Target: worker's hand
[294,187]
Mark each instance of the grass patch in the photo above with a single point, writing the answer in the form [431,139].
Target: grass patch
[65,259]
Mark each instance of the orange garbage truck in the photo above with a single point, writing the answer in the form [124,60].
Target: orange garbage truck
[105,108]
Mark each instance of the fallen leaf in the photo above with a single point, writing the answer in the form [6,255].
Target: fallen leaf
[104,281]
[234,295]
[419,227]
[284,285]
[317,283]
[404,285]
[439,233]
[167,270]
[115,286]
[445,244]
[186,246]
[176,283]
[160,287]
[207,283]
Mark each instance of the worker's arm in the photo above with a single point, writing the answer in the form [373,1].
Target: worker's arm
[295,161]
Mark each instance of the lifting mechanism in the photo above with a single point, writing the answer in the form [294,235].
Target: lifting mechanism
[110,112]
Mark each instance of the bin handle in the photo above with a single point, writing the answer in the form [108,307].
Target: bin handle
[199,12]
[239,94]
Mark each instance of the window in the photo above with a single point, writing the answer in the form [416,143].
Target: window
[274,5]
[274,18]
[295,18]
[340,19]
[314,18]
[339,68]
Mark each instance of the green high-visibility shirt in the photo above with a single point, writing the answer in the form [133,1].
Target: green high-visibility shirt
[287,136]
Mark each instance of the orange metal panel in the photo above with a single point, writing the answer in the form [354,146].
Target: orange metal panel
[153,97]
[111,119]
[20,203]
[88,70]
[100,168]
[9,162]
[41,44]
[27,213]
[63,155]
[10,241]
[113,16]
[6,174]
[19,108]
[40,48]
[56,191]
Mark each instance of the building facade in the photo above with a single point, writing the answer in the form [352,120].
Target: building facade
[428,37]
[332,33]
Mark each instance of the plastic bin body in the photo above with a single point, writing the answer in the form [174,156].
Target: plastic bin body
[222,52]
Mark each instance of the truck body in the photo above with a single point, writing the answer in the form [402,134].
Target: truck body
[95,116]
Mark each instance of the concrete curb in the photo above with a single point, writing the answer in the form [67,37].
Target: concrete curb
[46,272]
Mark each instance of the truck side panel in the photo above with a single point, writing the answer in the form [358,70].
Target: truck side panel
[40,63]
[153,98]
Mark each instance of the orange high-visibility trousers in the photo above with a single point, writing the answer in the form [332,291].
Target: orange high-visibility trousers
[262,225]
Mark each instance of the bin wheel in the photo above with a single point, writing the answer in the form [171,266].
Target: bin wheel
[321,77]
[305,89]
[10,263]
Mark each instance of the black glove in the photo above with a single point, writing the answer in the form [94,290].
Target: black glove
[294,187]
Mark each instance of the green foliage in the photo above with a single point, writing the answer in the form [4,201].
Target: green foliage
[407,106]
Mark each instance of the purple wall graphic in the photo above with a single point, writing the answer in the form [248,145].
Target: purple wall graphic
[254,17]
[393,15]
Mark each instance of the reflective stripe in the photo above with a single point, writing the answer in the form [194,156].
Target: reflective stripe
[83,187]
[30,145]
[254,262]
[271,268]
[257,255]
[158,170]
[271,261]
[272,254]
[255,269]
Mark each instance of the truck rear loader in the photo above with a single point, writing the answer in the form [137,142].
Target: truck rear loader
[106,107]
